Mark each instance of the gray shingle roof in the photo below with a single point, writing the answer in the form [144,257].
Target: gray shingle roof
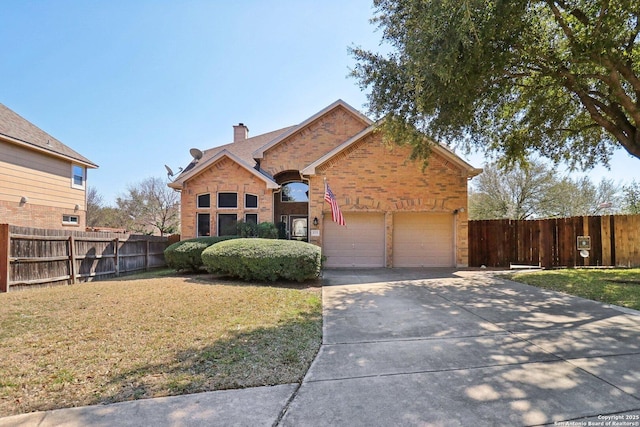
[15,127]
[242,149]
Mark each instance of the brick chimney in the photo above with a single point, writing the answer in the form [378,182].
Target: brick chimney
[240,132]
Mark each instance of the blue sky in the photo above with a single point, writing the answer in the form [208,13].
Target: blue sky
[133,85]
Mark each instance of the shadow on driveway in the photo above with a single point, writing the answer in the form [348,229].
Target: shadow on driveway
[449,347]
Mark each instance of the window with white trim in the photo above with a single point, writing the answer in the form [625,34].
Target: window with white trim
[204,201]
[78,176]
[70,220]
[228,200]
[251,218]
[204,224]
[227,224]
[250,201]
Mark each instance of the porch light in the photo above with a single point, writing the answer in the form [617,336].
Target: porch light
[315,221]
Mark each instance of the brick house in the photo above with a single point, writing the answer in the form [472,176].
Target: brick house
[42,181]
[396,214]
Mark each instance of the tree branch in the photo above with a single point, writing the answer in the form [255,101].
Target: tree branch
[560,20]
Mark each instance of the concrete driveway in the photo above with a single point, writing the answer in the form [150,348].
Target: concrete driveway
[427,348]
[444,348]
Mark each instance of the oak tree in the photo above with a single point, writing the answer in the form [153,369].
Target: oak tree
[560,78]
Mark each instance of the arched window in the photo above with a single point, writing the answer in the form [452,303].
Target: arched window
[295,192]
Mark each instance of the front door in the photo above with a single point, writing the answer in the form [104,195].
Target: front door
[298,227]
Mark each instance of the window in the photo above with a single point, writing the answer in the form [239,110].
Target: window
[295,192]
[204,224]
[77,176]
[250,201]
[251,218]
[70,220]
[204,201]
[227,224]
[227,200]
[299,228]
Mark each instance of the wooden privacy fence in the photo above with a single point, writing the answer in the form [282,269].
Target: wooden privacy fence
[30,256]
[548,243]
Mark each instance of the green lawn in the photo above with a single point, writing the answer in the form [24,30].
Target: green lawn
[152,335]
[613,286]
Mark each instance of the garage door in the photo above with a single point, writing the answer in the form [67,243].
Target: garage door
[422,240]
[359,244]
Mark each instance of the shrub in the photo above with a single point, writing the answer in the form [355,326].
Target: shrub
[264,259]
[264,230]
[246,229]
[186,254]
[267,230]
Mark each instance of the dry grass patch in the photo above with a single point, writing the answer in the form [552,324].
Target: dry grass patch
[151,336]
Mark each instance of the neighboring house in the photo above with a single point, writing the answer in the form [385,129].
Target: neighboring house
[42,181]
[396,213]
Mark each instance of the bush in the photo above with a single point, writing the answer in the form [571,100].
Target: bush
[246,229]
[264,230]
[267,230]
[186,254]
[264,259]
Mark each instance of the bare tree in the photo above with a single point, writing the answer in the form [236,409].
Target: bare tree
[535,191]
[581,197]
[515,194]
[94,207]
[151,207]
[631,198]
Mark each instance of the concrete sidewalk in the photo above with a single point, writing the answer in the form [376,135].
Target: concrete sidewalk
[428,348]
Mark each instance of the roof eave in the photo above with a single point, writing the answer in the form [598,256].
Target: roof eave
[179,183]
[259,153]
[33,147]
[467,169]
[464,166]
[311,169]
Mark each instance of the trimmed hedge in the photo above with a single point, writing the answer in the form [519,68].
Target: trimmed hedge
[186,254]
[264,259]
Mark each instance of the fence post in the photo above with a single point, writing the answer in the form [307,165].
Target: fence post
[116,253]
[612,225]
[72,260]
[5,244]
[146,257]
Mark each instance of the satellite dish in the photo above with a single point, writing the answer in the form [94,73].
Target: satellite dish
[195,153]
[169,171]
[584,253]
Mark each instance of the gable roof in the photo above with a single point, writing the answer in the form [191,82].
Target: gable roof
[259,153]
[240,152]
[244,149]
[17,130]
[250,150]
[437,148]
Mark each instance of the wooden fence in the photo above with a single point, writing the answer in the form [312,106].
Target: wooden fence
[35,257]
[549,243]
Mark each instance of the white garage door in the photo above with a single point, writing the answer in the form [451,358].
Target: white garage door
[423,240]
[359,244]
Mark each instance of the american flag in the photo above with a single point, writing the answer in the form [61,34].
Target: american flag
[336,215]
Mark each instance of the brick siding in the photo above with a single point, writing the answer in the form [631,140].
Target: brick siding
[37,216]
[312,142]
[369,176]
[223,176]
[374,177]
